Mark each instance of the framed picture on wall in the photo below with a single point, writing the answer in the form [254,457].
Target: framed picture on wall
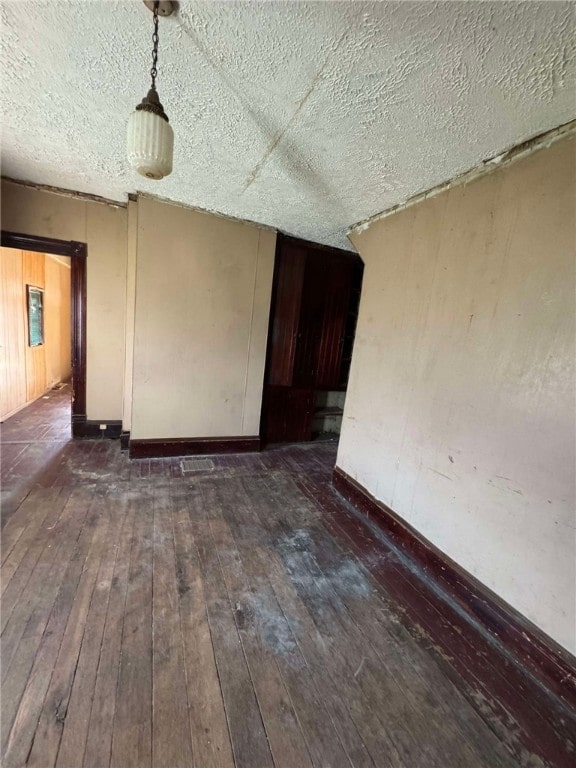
[35,305]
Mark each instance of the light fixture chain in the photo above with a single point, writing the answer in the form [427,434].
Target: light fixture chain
[155,38]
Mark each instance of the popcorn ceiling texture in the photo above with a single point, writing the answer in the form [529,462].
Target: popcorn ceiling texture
[305,116]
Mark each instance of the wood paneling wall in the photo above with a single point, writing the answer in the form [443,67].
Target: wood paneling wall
[33,273]
[12,332]
[27,372]
[57,321]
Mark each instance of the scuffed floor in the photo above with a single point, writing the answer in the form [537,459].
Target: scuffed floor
[213,618]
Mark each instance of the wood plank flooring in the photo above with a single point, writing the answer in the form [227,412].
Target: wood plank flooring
[210,619]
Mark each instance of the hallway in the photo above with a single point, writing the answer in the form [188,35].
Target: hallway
[29,441]
[164,614]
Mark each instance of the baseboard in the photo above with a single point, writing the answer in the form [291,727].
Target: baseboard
[512,639]
[160,448]
[124,440]
[82,427]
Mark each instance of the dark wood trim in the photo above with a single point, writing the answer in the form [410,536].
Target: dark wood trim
[190,446]
[319,247]
[81,427]
[77,253]
[124,440]
[511,634]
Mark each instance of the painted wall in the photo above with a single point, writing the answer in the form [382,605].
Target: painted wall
[460,408]
[203,287]
[27,372]
[104,228]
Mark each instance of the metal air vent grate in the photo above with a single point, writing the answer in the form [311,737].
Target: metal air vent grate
[196,465]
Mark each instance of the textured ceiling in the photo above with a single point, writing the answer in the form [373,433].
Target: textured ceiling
[306,116]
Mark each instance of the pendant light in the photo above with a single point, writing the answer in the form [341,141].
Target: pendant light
[150,135]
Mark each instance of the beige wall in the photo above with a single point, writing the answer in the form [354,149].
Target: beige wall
[460,409]
[203,288]
[104,228]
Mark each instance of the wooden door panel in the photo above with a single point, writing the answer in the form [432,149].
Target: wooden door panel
[288,279]
[288,414]
[338,284]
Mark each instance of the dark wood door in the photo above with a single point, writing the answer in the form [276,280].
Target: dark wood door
[312,299]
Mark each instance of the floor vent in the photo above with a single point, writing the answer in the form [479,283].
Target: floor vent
[196,465]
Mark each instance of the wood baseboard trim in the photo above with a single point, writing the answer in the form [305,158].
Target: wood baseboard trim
[82,427]
[191,446]
[124,440]
[512,640]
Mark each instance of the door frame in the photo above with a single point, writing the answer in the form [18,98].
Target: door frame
[78,253]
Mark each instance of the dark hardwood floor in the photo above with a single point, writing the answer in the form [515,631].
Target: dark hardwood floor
[219,616]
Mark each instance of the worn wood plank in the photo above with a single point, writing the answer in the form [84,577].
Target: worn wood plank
[247,734]
[54,712]
[23,559]
[415,670]
[31,703]
[209,729]
[44,593]
[99,734]
[132,730]
[32,513]
[82,693]
[232,625]
[356,725]
[287,743]
[171,739]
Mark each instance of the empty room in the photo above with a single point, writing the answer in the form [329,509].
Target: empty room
[287,384]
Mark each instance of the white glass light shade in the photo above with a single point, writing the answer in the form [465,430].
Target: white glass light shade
[150,144]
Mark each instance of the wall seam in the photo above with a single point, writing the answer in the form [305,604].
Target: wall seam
[243,422]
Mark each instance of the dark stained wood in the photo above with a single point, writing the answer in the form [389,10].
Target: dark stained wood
[285,319]
[132,732]
[81,427]
[532,649]
[19,566]
[209,730]
[78,296]
[46,641]
[55,709]
[77,253]
[98,744]
[82,690]
[239,616]
[337,287]
[289,413]
[312,322]
[507,690]
[171,739]
[247,733]
[158,448]
[283,731]
[331,733]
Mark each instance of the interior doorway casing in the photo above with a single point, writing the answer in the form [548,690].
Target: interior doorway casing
[78,253]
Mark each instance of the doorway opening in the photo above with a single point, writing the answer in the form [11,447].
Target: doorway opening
[315,300]
[43,326]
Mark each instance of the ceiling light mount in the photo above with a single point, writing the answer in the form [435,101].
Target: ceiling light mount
[165,7]
[150,136]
